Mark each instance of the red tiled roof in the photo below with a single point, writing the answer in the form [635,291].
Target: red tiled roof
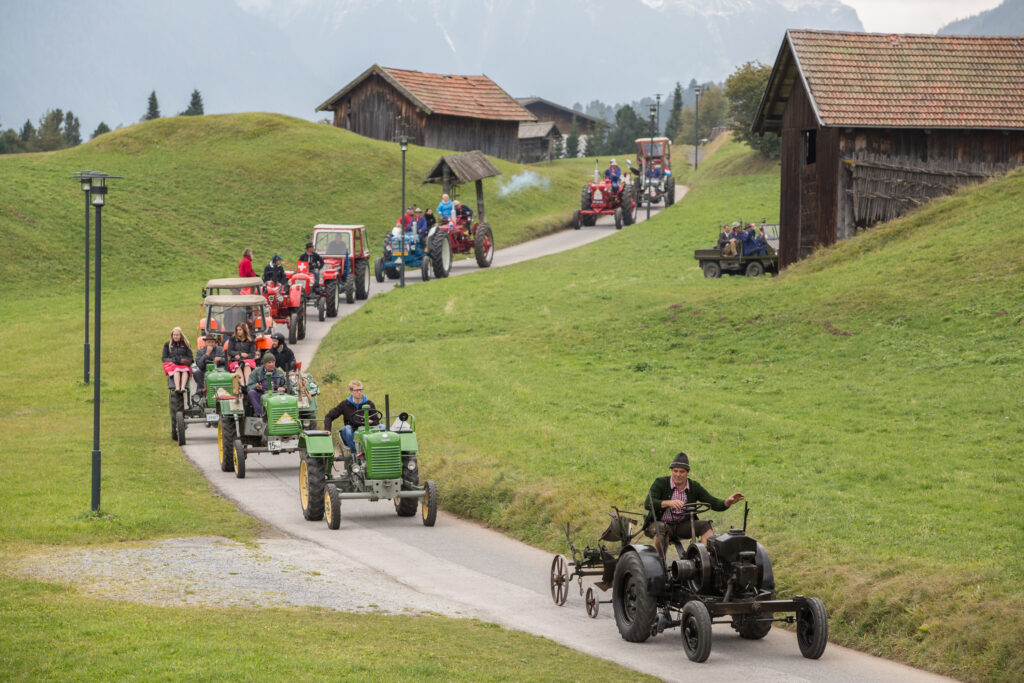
[475,97]
[895,80]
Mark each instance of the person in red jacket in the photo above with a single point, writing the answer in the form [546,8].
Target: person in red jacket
[245,265]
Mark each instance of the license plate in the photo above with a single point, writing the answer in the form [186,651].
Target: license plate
[212,417]
[274,445]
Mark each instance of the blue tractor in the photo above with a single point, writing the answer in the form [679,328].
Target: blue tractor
[402,246]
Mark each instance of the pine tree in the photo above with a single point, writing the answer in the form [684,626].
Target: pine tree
[674,121]
[49,135]
[572,141]
[195,107]
[100,130]
[72,130]
[153,110]
[28,134]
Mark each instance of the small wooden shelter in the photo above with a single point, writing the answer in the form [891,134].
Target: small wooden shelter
[538,141]
[434,110]
[874,125]
[470,167]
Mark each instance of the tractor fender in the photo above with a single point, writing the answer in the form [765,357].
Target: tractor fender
[653,569]
[316,443]
[433,229]
[295,296]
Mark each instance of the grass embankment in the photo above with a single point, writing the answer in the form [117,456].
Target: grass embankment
[196,191]
[867,402]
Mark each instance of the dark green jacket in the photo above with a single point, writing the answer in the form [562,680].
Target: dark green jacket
[661,490]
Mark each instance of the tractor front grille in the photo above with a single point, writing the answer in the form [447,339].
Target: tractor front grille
[283,420]
[384,460]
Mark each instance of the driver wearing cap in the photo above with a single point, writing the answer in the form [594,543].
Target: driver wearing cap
[666,520]
[274,271]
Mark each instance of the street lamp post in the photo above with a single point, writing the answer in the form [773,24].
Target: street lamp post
[86,183]
[647,177]
[696,125]
[403,144]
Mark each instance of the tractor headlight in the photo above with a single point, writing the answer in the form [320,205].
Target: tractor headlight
[412,465]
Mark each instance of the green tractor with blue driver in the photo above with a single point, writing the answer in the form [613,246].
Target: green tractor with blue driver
[286,425]
[384,467]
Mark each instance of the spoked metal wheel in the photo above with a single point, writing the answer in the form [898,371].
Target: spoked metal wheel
[559,580]
[593,604]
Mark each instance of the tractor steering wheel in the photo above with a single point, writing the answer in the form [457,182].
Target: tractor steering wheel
[696,508]
[373,415]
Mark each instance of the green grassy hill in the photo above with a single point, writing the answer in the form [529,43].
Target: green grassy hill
[867,402]
[198,190]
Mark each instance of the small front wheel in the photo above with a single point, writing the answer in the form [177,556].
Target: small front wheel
[576,221]
[321,309]
[332,506]
[239,459]
[429,505]
[812,628]
[378,269]
[696,629]
[179,423]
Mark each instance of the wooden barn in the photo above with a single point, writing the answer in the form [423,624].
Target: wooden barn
[538,141]
[434,110]
[874,125]
[562,117]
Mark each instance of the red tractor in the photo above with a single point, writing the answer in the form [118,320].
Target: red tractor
[459,237]
[288,306]
[346,265]
[655,172]
[598,199]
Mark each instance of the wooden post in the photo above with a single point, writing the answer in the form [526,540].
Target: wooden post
[447,183]
[480,201]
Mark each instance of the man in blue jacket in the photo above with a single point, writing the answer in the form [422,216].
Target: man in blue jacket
[352,410]
[666,521]
[614,174]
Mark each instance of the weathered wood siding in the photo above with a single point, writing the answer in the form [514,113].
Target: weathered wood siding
[856,178]
[562,119]
[377,110]
[532,150]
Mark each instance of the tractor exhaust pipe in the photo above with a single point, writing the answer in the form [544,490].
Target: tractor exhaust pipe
[387,410]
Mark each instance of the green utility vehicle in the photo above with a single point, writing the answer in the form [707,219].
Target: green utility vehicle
[285,426]
[383,467]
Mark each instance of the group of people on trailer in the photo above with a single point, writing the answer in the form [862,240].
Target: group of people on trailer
[752,242]
[238,354]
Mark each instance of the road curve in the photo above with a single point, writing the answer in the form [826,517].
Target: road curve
[485,574]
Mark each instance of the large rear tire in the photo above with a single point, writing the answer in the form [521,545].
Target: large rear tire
[585,198]
[239,459]
[696,630]
[429,507]
[293,328]
[332,298]
[812,628]
[441,254]
[406,507]
[589,220]
[362,275]
[483,245]
[226,443]
[635,610]
[311,487]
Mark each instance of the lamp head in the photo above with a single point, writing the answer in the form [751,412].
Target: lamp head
[403,142]
[99,191]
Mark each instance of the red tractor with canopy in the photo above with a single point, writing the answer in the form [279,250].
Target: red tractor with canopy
[599,198]
[655,173]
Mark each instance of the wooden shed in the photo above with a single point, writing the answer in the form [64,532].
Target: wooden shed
[874,125]
[562,117]
[434,110]
[538,141]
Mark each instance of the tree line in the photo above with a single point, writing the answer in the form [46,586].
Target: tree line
[690,117]
[60,130]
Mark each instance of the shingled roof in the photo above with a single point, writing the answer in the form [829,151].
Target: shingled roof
[899,81]
[475,97]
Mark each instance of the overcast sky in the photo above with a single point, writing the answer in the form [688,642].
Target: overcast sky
[915,16]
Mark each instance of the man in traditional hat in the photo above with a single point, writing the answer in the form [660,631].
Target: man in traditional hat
[315,261]
[666,521]
[213,353]
[267,377]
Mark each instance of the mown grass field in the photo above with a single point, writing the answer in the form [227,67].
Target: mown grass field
[196,191]
[867,403]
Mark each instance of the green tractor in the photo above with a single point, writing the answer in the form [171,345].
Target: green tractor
[285,427]
[192,407]
[383,467]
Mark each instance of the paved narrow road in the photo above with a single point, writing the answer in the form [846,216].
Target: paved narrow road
[483,573]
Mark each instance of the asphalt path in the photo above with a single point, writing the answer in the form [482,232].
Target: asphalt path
[482,573]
